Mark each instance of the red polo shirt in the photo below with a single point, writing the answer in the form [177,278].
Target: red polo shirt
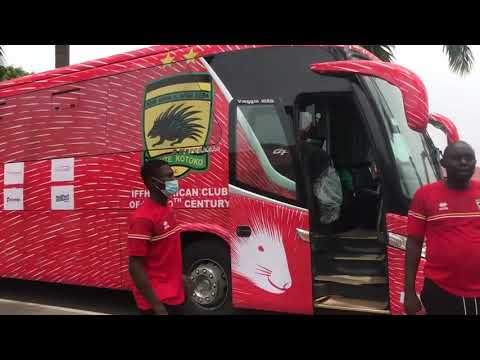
[449,220]
[153,234]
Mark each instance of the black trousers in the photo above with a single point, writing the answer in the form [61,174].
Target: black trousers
[440,302]
[171,310]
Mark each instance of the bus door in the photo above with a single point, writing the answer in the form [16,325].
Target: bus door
[400,102]
[342,191]
[270,252]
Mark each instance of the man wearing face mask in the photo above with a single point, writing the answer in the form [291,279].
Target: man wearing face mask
[447,215]
[154,249]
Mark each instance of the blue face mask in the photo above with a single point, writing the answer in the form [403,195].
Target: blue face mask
[171,187]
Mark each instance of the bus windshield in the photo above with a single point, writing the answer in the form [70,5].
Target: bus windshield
[410,148]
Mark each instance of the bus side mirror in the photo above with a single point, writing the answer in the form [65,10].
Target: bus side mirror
[446,125]
[415,99]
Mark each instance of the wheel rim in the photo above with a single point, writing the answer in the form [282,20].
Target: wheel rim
[209,284]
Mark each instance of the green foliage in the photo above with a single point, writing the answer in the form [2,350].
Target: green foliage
[11,72]
[383,52]
[460,57]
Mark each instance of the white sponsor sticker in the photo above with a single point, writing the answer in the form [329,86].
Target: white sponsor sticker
[402,297]
[62,169]
[13,173]
[13,199]
[62,197]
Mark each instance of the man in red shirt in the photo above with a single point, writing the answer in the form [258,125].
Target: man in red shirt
[154,249]
[447,215]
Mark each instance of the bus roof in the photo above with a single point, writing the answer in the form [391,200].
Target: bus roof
[129,61]
[67,70]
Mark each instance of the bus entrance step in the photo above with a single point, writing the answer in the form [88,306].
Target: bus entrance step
[357,268]
[347,246]
[352,280]
[358,234]
[358,305]
[375,292]
[359,257]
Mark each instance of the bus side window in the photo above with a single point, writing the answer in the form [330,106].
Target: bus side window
[262,152]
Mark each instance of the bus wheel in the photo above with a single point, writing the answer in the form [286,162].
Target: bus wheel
[207,268]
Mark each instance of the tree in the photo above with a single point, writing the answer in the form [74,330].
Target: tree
[460,57]
[11,72]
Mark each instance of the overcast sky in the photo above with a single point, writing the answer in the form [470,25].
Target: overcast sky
[449,94]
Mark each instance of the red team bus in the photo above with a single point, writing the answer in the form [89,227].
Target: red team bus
[242,127]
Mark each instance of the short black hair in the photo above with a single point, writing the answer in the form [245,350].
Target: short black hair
[149,166]
[450,146]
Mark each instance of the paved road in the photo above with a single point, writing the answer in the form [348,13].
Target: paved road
[13,307]
[20,297]
[36,298]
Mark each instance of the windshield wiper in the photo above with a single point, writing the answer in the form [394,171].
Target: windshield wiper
[424,156]
[434,155]
[416,171]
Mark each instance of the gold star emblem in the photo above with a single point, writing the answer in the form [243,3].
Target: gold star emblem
[190,57]
[167,60]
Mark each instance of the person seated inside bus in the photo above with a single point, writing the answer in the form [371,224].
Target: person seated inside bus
[327,186]
[360,184]
[367,181]
[326,189]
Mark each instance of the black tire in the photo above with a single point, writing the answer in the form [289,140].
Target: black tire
[214,250]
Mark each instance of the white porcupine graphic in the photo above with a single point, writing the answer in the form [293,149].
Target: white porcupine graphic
[261,258]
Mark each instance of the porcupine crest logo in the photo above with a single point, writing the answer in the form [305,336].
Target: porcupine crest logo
[177,116]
